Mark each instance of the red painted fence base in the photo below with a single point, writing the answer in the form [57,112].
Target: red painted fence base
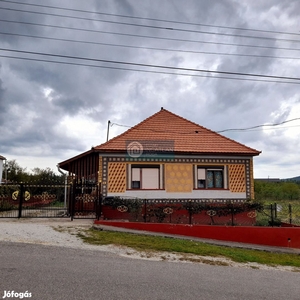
[270,236]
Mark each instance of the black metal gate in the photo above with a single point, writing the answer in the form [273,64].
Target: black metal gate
[85,201]
[50,201]
[33,201]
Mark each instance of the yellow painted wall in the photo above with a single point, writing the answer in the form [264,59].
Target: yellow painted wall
[179,178]
[237,178]
[116,177]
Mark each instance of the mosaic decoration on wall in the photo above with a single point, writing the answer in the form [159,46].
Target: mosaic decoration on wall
[245,167]
[251,180]
[100,169]
[237,182]
[116,177]
[179,178]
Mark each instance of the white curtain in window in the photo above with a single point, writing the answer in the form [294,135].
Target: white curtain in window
[150,178]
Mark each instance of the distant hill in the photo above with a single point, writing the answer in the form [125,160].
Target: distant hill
[292,179]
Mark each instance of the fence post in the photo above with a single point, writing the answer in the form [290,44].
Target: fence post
[190,212]
[145,211]
[73,196]
[21,200]
[290,213]
[232,215]
[275,210]
[272,215]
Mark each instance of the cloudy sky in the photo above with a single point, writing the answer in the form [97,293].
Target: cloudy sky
[67,67]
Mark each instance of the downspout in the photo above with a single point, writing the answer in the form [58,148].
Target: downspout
[66,181]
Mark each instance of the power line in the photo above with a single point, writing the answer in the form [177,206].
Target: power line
[152,19]
[147,71]
[258,126]
[157,27]
[148,48]
[147,36]
[220,131]
[152,65]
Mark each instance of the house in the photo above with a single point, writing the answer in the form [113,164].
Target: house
[1,167]
[168,157]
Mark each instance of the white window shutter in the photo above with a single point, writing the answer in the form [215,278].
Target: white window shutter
[136,174]
[201,174]
[150,178]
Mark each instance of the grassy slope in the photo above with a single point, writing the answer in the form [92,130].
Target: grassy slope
[153,243]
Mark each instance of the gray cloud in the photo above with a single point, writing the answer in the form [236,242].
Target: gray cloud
[48,109]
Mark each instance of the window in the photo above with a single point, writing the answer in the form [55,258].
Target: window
[201,178]
[209,178]
[145,177]
[215,179]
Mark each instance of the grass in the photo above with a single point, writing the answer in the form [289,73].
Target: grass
[154,243]
[282,214]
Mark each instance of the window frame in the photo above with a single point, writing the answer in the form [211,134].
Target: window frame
[202,183]
[142,167]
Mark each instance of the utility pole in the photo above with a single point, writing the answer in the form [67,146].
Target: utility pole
[108,125]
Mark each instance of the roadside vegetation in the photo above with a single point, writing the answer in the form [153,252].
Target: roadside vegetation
[155,243]
[271,192]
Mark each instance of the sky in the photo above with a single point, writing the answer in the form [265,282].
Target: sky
[67,67]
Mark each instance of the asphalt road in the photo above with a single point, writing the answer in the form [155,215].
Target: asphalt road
[50,272]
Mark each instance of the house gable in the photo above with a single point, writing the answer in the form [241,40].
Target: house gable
[187,137]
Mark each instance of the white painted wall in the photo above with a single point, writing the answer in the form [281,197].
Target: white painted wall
[195,194]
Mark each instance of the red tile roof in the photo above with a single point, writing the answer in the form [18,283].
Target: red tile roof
[188,137]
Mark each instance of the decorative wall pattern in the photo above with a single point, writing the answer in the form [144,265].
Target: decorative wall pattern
[252,195]
[237,180]
[100,169]
[116,177]
[179,178]
[245,165]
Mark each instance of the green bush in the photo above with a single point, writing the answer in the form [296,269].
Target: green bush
[5,205]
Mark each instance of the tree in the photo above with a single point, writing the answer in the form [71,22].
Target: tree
[276,191]
[45,176]
[15,173]
[291,190]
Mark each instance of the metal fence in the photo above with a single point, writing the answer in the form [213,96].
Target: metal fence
[83,200]
[49,201]
[197,211]
[279,214]
[181,211]
[33,201]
